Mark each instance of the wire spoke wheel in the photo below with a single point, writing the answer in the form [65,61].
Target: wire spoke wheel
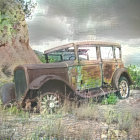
[123,88]
[49,103]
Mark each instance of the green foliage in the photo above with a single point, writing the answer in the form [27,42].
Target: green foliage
[42,58]
[111,99]
[53,59]
[12,13]
[134,72]
[27,6]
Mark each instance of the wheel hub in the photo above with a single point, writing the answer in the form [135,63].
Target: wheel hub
[49,103]
[123,88]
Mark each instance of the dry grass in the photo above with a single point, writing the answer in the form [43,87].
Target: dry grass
[87,111]
[72,122]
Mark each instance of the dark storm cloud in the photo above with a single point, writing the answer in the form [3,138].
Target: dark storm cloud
[118,19]
[43,29]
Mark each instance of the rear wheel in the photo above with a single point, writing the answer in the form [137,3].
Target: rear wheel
[123,88]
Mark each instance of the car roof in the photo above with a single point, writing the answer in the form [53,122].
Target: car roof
[83,43]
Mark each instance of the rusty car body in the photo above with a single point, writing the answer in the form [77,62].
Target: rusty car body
[82,69]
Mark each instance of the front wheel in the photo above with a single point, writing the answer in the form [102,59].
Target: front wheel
[49,102]
[123,88]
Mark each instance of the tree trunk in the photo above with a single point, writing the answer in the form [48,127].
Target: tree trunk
[14,40]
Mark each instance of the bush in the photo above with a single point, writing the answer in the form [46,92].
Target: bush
[42,58]
[110,99]
[134,72]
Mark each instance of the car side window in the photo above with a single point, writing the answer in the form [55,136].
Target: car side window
[87,53]
[67,54]
[106,52]
[117,53]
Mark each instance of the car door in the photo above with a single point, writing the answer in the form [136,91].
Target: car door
[89,68]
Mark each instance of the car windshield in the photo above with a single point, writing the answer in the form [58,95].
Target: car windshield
[61,55]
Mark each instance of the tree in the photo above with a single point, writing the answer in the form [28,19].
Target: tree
[27,7]
[14,39]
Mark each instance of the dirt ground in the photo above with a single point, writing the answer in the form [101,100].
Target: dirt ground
[113,122]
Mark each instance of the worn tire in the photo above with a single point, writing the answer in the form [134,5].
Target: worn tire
[7,93]
[124,89]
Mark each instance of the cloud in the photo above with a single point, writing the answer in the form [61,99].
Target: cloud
[42,29]
[58,21]
[118,19]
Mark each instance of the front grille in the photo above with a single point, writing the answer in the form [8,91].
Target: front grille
[20,83]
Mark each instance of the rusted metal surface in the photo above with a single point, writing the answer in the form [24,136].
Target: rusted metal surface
[108,69]
[117,74]
[85,78]
[38,82]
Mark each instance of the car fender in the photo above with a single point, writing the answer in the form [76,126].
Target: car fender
[118,73]
[40,81]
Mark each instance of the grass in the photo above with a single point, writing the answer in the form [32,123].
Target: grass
[72,122]
[52,129]
[87,111]
[123,118]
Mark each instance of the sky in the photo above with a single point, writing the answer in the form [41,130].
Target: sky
[56,22]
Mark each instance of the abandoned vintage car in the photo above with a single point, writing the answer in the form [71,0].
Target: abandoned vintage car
[82,70]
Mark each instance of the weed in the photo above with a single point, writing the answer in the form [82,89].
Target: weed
[13,110]
[111,99]
[87,111]
[123,118]
[111,116]
[54,129]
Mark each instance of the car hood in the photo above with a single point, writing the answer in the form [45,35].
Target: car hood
[47,65]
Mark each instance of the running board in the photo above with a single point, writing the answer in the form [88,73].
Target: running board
[95,93]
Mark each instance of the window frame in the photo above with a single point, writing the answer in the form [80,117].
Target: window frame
[112,52]
[87,60]
[119,53]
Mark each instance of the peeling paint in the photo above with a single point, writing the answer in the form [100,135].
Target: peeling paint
[85,77]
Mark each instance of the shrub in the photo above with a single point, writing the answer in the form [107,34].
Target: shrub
[134,72]
[110,99]
[42,58]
